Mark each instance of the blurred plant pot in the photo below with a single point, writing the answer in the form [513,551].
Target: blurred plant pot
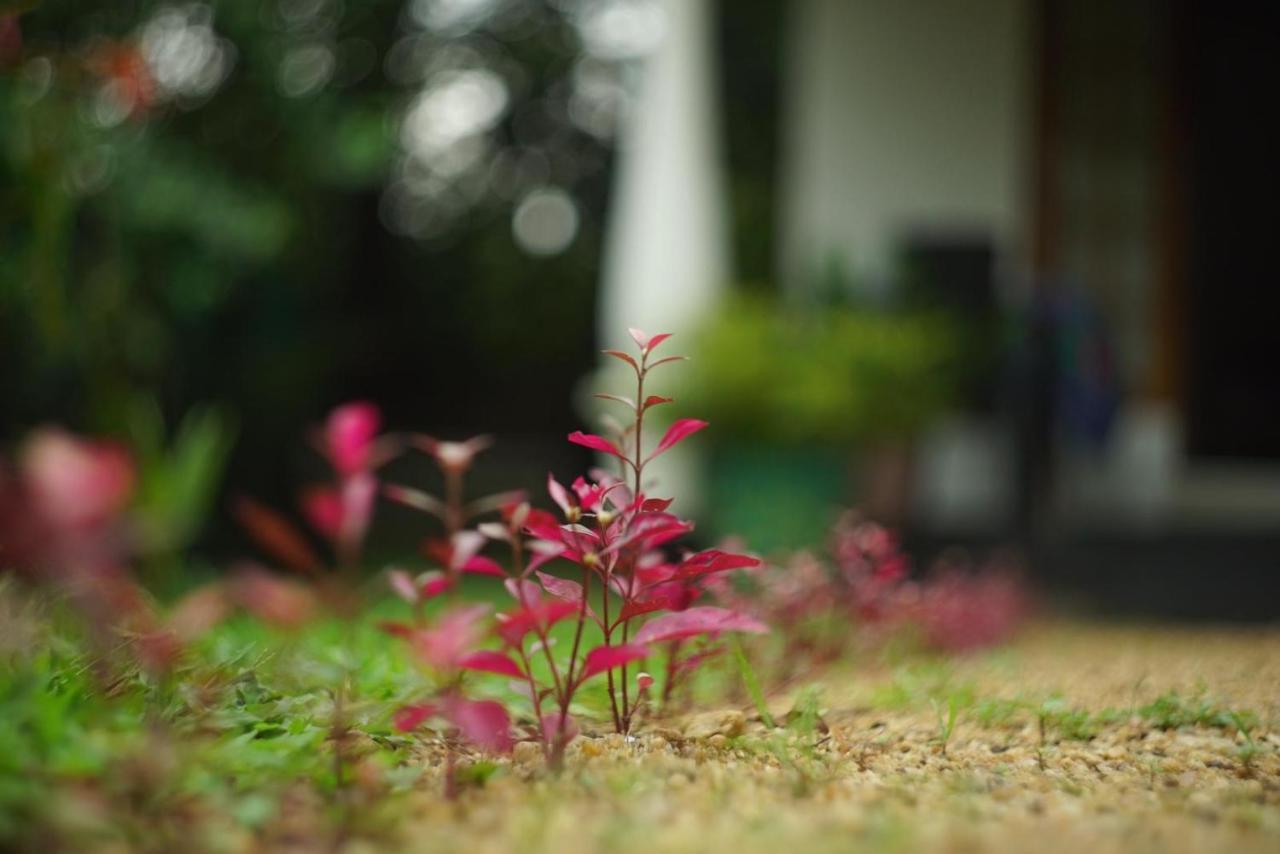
[887,478]
[776,497]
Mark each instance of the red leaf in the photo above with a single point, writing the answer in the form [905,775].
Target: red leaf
[636,607]
[199,611]
[279,601]
[322,505]
[484,723]
[409,718]
[697,621]
[618,354]
[275,535]
[713,560]
[604,658]
[431,584]
[542,525]
[489,661]
[656,505]
[655,400]
[481,565]
[655,341]
[595,443]
[514,625]
[677,433]
[399,630]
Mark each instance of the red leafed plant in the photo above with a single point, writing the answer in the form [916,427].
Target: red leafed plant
[866,584]
[634,586]
[620,540]
[338,511]
[458,550]
[66,525]
[446,648]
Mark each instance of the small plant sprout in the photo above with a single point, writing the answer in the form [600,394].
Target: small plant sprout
[447,649]
[946,722]
[1248,752]
[339,511]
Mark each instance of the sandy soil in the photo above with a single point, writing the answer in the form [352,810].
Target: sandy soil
[877,777]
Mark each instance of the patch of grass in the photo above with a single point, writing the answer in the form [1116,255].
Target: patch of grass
[995,713]
[1173,711]
[920,685]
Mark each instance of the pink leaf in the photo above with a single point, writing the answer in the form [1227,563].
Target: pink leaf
[714,560]
[639,336]
[446,642]
[415,498]
[489,661]
[358,494]
[76,483]
[604,658]
[275,600]
[514,625]
[551,725]
[595,443]
[697,621]
[563,588]
[636,607]
[677,433]
[409,718]
[523,591]
[559,494]
[403,585]
[463,546]
[349,433]
[484,723]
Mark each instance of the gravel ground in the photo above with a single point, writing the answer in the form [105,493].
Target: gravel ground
[873,774]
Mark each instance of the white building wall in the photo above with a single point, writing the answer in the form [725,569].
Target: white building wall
[904,114]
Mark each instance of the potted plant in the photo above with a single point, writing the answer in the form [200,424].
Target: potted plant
[814,409]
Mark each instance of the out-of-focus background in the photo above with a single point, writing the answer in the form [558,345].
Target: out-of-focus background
[1000,272]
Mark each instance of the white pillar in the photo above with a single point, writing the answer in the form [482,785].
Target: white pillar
[666,257]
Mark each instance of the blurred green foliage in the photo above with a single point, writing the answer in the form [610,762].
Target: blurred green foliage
[840,376]
[232,244]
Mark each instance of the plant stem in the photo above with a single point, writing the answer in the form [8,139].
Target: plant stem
[608,633]
[750,681]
